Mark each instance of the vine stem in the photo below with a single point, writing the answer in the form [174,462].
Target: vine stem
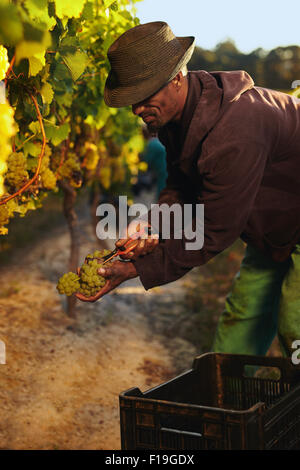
[36,174]
[10,68]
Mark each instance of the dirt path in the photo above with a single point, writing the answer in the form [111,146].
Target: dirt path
[62,377]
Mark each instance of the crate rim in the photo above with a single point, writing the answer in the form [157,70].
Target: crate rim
[257,406]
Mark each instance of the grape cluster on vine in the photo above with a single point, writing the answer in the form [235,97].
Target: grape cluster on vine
[71,170]
[17,173]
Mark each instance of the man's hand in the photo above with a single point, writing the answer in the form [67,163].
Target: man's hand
[148,241]
[115,274]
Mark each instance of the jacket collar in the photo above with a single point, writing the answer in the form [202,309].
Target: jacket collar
[205,116]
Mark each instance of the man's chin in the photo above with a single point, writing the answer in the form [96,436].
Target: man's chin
[153,128]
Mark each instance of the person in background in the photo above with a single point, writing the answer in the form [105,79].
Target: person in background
[155,156]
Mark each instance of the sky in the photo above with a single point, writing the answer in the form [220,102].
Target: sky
[251,24]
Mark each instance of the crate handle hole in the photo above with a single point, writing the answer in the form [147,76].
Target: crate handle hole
[262,372]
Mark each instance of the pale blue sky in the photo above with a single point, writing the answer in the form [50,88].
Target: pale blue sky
[251,24]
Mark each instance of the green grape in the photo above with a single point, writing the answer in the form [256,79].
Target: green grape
[48,179]
[89,282]
[68,284]
[4,215]
[16,173]
[100,254]
[71,170]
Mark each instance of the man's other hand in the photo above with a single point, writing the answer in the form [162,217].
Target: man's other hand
[147,240]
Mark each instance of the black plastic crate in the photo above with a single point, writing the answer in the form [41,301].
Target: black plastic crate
[216,405]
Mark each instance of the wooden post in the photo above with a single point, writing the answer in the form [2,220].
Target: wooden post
[72,221]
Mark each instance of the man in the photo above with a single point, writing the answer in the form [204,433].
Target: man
[235,148]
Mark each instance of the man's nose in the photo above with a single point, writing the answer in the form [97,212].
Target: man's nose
[137,108]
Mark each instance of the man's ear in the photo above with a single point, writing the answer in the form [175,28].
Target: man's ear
[178,81]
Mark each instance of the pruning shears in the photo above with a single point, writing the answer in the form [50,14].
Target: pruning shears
[130,244]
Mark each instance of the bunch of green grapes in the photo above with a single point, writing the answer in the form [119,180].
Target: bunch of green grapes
[88,282]
[4,215]
[48,179]
[71,170]
[91,157]
[16,170]
[68,284]
[7,130]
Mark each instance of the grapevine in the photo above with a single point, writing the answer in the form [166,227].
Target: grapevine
[36,174]
[54,65]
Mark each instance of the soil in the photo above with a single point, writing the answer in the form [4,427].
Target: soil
[62,378]
[61,382]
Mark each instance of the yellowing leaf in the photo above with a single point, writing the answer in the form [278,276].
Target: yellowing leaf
[35,65]
[38,10]
[69,8]
[26,49]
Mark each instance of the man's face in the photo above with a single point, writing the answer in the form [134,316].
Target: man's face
[159,109]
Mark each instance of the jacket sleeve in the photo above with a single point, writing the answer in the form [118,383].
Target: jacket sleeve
[229,179]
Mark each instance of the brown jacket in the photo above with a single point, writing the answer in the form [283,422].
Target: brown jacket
[240,157]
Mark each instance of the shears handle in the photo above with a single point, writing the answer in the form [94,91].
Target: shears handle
[129,245]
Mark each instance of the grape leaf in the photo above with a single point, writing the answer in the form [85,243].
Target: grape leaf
[31,149]
[38,10]
[69,8]
[11,28]
[35,127]
[35,65]
[76,64]
[26,49]
[88,11]
[47,93]
[107,3]
[57,134]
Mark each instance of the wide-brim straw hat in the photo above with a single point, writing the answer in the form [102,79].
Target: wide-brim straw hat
[143,60]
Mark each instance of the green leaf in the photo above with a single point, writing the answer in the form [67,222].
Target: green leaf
[65,99]
[38,10]
[107,3]
[11,28]
[35,127]
[31,149]
[76,64]
[88,12]
[35,65]
[61,74]
[47,93]
[68,45]
[57,134]
[26,49]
